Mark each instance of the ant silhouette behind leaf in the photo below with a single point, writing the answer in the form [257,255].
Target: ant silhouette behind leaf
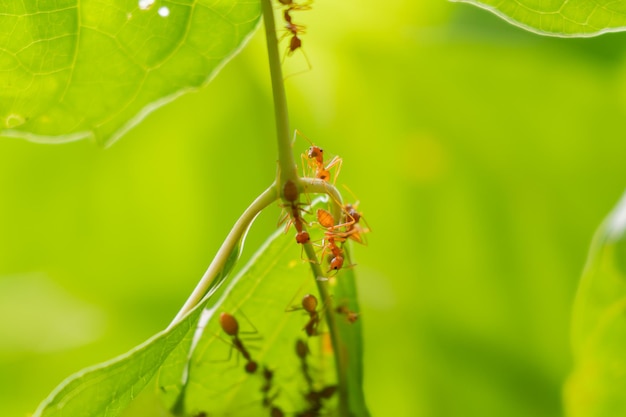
[309,305]
[350,315]
[268,400]
[230,326]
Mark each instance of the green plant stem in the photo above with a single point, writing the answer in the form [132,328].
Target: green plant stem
[286,161]
[288,172]
[235,235]
[341,361]
[316,186]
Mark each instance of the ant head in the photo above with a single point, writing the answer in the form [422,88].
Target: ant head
[351,211]
[309,303]
[336,263]
[303,237]
[315,152]
[251,367]
[229,324]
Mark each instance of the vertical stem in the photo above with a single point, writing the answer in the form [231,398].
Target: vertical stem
[341,362]
[288,171]
[216,268]
[286,161]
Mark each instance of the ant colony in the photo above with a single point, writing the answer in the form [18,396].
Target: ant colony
[301,381]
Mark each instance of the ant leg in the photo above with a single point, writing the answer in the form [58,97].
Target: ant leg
[308,64]
[335,162]
[255,331]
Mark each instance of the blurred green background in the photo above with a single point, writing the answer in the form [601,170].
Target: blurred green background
[484,158]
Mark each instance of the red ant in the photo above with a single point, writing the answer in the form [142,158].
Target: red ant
[291,27]
[315,156]
[290,192]
[309,305]
[353,229]
[302,350]
[331,237]
[294,30]
[351,316]
[230,325]
[313,397]
[268,401]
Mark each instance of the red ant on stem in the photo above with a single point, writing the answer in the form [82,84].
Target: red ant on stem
[351,316]
[309,305]
[315,159]
[332,236]
[354,230]
[290,192]
[294,29]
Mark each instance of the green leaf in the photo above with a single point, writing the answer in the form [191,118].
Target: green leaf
[597,386]
[190,357]
[563,18]
[351,342]
[106,389]
[95,68]
[211,377]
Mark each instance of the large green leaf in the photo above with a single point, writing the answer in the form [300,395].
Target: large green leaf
[565,18]
[211,377]
[190,359]
[106,389]
[94,68]
[597,386]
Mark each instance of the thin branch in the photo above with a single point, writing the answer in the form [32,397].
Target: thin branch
[216,268]
[286,161]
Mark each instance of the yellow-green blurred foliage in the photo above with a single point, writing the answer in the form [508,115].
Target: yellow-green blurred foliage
[483,158]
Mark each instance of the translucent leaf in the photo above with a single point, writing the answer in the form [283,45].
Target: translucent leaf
[95,68]
[565,18]
[597,386]
[197,368]
[106,389]
[211,378]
